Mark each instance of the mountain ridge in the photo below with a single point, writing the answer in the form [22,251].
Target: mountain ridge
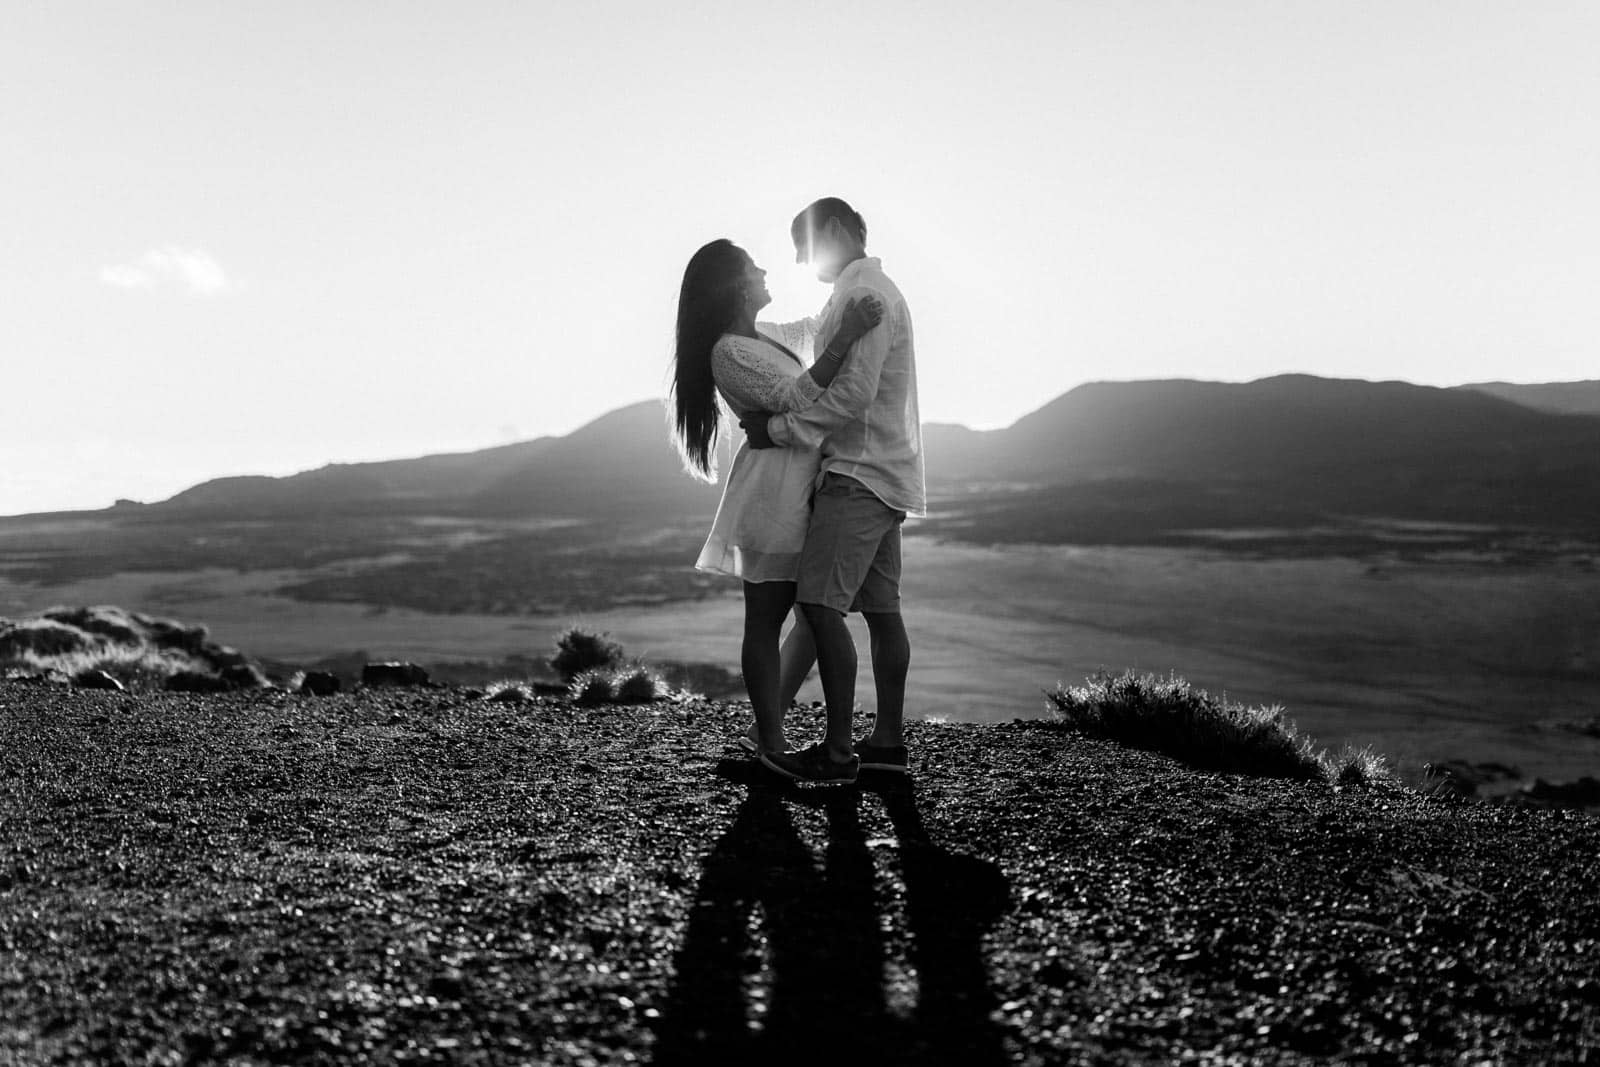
[1339,443]
[1564,398]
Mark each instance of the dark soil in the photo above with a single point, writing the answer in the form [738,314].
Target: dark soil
[411,875]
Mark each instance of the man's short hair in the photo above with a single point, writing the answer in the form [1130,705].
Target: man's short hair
[816,216]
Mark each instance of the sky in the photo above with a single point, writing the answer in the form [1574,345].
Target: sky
[255,238]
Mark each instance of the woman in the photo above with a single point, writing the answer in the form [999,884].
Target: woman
[766,501]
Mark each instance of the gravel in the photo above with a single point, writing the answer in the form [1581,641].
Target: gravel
[418,876]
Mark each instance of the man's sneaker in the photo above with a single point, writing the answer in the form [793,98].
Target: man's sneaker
[812,765]
[881,757]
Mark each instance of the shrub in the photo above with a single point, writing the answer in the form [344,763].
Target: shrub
[40,639]
[137,650]
[169,633]
[1172,717]
[591,688]
[113,624]
[579,650]
[639,685]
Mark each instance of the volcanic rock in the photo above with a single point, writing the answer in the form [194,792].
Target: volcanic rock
[1581,793]
[197,682]
[374,675]
[319,683]
[94,679]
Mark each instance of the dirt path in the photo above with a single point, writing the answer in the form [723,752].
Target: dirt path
[412,876]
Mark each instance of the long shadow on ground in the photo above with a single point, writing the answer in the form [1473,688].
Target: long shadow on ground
[785,958]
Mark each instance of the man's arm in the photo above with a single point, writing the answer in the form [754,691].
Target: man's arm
[861,314]
[755,428]
[846,400]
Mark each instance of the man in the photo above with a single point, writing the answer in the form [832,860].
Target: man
[869,432]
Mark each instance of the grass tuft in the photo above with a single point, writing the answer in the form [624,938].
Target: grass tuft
[1359,767]
[1170,716]
[592,688]
[510,691]
[639,685]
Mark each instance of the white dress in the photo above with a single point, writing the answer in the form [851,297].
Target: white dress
[766,499]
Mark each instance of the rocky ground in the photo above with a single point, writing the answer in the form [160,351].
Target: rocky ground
[417,876]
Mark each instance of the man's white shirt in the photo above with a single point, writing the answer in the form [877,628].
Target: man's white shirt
[866,423]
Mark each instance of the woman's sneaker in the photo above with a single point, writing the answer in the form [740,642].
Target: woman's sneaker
[881,757]
[749,743]
[812,764]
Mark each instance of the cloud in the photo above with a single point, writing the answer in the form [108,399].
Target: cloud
[190,269]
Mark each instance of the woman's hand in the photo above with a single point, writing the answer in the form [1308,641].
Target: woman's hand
[860,315]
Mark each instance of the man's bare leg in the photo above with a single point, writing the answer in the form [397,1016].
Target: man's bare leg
[891,659]
[836,663]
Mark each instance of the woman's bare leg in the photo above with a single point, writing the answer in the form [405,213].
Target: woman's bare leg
[795,659]
[765,605]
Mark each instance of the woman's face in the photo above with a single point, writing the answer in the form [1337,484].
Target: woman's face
[754,284]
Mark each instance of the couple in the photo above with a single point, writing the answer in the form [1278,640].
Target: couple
[830,467]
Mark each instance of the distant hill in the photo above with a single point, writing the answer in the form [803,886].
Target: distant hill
[621,463]
[1560,398]
[1312,445]
[454,478]
[1291,425]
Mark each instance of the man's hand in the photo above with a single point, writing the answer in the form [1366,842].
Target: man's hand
[755,428]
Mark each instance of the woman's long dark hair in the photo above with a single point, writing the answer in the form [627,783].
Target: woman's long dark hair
[708,301]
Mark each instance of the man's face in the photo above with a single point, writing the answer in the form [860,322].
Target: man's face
[819,248]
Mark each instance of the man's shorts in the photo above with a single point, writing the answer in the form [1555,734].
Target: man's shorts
[851,558]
